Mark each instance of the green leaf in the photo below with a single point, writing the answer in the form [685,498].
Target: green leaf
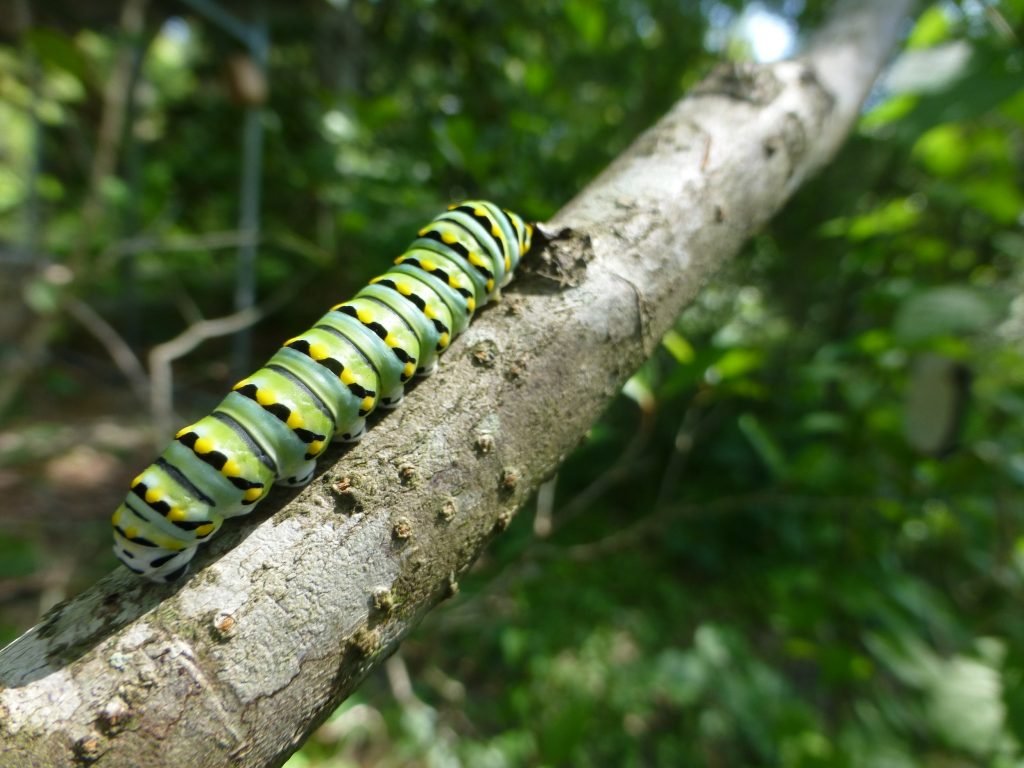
[57,50]
[943,150]
[763,443]
[986,81]
[678,347]
[932,27]
[588,19]
[735,363]
[888,219]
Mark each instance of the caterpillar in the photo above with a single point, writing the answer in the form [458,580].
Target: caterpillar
[320,386]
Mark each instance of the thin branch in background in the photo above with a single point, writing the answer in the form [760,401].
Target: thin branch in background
[401,684]
[161,396]
[542,521]
[623,468]
[413,707]
[111,128]
[187,306]
[999,22]
[122,355]
[682,448]
[494,600]
[631,536]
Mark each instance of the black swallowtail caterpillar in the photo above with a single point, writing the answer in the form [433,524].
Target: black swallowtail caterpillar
[321,385]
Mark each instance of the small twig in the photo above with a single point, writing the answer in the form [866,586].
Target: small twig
[126,360]
[161,356]
[110,132]
[187,305]
[401,684]
[620,470]
[999,23]
[542,520]
[633,534]
[530,562]
[683,445]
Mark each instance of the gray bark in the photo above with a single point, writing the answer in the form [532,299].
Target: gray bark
[288,612]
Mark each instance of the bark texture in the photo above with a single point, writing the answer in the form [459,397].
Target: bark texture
[289,610]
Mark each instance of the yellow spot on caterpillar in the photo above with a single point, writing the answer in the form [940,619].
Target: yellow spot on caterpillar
[471,304]
[131,532]
[408,369]
[231,469]
[496,231]
[172,544]
[476,260]
[449,238]
[240,384]
[428,265]
[490,286]
[176,514]
[115,518]
[318,351]
[346,377]
[403,288]
[367,404]
[153,496]
[295,420]
[315,448]
[376,279]
[265,397]
[508,264]
[390,340]
[252,494]
[453,206]
[364,317]
[203,445]
[137,480]
[205,530]
[423,232]
[444,340]
[429,312]
[292,340]
[182,431]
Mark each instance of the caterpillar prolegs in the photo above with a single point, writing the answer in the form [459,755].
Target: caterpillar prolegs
[320,386]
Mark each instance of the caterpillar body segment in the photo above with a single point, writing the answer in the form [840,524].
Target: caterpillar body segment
[319,387]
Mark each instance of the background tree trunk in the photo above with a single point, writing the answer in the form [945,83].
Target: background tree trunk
[289,609]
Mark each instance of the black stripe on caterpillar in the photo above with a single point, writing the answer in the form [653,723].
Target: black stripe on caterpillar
[320,386]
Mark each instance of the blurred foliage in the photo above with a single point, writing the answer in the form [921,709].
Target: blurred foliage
[797,539]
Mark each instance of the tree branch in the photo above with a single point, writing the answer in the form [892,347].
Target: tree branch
[122,355]
[286,614]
